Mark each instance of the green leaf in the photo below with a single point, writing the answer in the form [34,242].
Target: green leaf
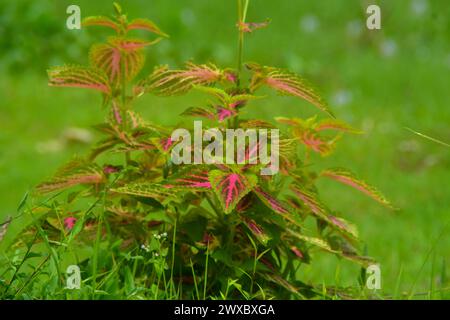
[158,216]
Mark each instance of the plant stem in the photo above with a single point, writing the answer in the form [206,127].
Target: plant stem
[123,93]
[242,14]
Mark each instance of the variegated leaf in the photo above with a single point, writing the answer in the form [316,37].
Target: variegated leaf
[333,124]
[145,24]
[199,112]
[230,187]
[165,82]
[147,190]
[287,83]
[310,199]
[117,56]
[346,177]
[4,227]
[189,178]
[316,143]
[257,231]
[74,173]
[78,76]
[344,225]
[270,201]
[101,21]
[311,240]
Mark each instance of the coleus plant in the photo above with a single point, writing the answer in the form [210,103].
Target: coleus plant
[226,221]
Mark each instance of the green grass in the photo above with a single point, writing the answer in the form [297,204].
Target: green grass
[408,89]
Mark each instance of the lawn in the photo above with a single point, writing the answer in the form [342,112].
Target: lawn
[379,81]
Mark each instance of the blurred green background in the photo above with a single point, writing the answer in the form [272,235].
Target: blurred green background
[380,81]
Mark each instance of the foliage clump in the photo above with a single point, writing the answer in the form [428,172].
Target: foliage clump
[136,220]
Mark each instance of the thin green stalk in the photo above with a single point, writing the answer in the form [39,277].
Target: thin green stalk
[206,272]
[242,14]
[173,257]
[195,280]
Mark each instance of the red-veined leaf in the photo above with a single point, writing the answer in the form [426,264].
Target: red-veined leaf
[287,83]
[199,112]
[270,201]
[311,240]
[147,190]
[332,124]
[189,178]
[145,24]
[101,21]
[344,225]
[166,82]
[257,231]
[75,172]
[230,187]
[297,252]
[224,114]
[315,142]
[256,124]
[78,76]
[311,200]
[117,56]
[348,178]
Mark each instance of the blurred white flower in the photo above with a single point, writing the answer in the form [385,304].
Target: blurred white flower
[431,160]
[49,146]
[309,23]
[388,48]
[74,134]
[355,28]
[188,17]
[409,146]
[386,127]
[341,98]
[367,125]
[419,7]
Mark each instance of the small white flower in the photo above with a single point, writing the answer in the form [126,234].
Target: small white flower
[388,48]
[355,28]
[341,98]
[309,23]
[419,7]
